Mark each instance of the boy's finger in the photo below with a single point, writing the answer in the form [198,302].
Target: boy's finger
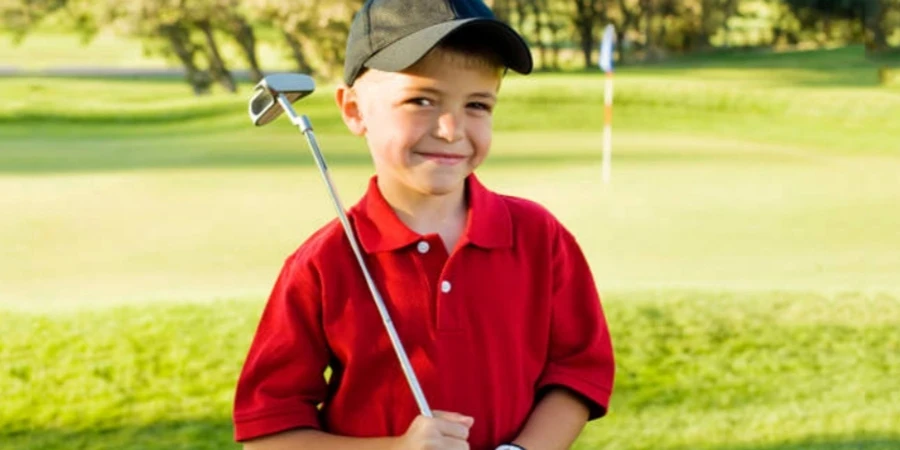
[452,429]
[454,417]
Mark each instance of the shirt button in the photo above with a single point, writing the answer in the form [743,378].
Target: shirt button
[423,247]
[445,286]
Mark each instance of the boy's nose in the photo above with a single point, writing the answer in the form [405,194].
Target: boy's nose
[450,127]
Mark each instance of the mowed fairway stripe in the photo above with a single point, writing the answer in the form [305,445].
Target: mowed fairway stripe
[688,212]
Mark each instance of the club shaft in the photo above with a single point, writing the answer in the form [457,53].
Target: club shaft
[303,123]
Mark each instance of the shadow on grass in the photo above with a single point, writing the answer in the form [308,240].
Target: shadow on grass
[185,434]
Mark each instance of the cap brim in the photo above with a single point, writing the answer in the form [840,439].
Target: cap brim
[406,51]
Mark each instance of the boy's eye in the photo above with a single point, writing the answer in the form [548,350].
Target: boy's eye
[480,106]
[420,101]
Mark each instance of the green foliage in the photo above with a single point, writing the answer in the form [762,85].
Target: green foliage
[851,9]
[20,17]
[209,38]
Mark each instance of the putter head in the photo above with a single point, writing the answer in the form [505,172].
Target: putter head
[264,106]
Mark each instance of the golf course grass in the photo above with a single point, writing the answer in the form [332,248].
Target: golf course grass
[746,249]
[696,370]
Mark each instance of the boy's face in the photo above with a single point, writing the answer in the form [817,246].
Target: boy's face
[429,126]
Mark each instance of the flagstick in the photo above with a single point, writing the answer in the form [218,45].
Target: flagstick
[607,127]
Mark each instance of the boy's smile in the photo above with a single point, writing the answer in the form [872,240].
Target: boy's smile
[429,126]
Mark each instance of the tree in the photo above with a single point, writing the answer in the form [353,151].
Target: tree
[20,17]
[164,27]
[823,15]
[203,15]
[875,26]
[217,67]
[540,23]
[557,22]
[588,13]
[501,9]
[315,31]
[646,7]
[288,18]
[712,16]
[229,17]
[179,40]
[626,20]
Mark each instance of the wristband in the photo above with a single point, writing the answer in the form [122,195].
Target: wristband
[510,446]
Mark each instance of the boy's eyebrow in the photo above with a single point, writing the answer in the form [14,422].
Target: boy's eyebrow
[487,95]
[436,91]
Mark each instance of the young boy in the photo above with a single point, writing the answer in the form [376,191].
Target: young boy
[491,296]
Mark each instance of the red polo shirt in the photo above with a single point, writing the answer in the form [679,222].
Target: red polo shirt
[512,310]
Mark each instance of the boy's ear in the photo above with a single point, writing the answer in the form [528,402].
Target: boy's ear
[348,101]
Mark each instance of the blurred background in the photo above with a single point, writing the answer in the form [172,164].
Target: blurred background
[747,248]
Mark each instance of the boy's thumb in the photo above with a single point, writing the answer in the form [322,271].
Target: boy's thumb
[454,417]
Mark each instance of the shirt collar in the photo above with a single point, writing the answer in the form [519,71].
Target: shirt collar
[489,224]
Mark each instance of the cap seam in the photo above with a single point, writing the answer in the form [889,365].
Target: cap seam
[452,9]
[371,50]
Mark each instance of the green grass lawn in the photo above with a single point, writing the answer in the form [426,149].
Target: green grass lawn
[746,248]
[696,370]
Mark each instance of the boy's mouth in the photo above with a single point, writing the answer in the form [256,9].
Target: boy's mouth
[442,158]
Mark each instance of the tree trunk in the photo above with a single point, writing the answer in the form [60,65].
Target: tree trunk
[649,44]
[730,8]
[707,28]
[243,34]
[629,19]
[880,37]
[584,24]
[777,34]
[555,38]
[555,47]
[554,27]
[539,24]
[661,36]
[179,41]
[297,52]
[873,22]
[216,65]
[586,35]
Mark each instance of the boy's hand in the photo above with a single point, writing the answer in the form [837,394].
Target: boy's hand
[444,431]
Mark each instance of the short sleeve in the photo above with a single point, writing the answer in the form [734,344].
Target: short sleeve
[581,354]
[282,381]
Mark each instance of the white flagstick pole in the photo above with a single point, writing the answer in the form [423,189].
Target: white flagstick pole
[606,63]
[607,128]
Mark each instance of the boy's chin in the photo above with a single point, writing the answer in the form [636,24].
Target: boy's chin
[441,186]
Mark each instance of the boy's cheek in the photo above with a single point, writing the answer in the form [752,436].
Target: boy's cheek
[484,135]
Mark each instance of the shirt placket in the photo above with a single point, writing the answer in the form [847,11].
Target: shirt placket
[449,293]
[436,263]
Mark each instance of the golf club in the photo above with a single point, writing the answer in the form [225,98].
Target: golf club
[272,96]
